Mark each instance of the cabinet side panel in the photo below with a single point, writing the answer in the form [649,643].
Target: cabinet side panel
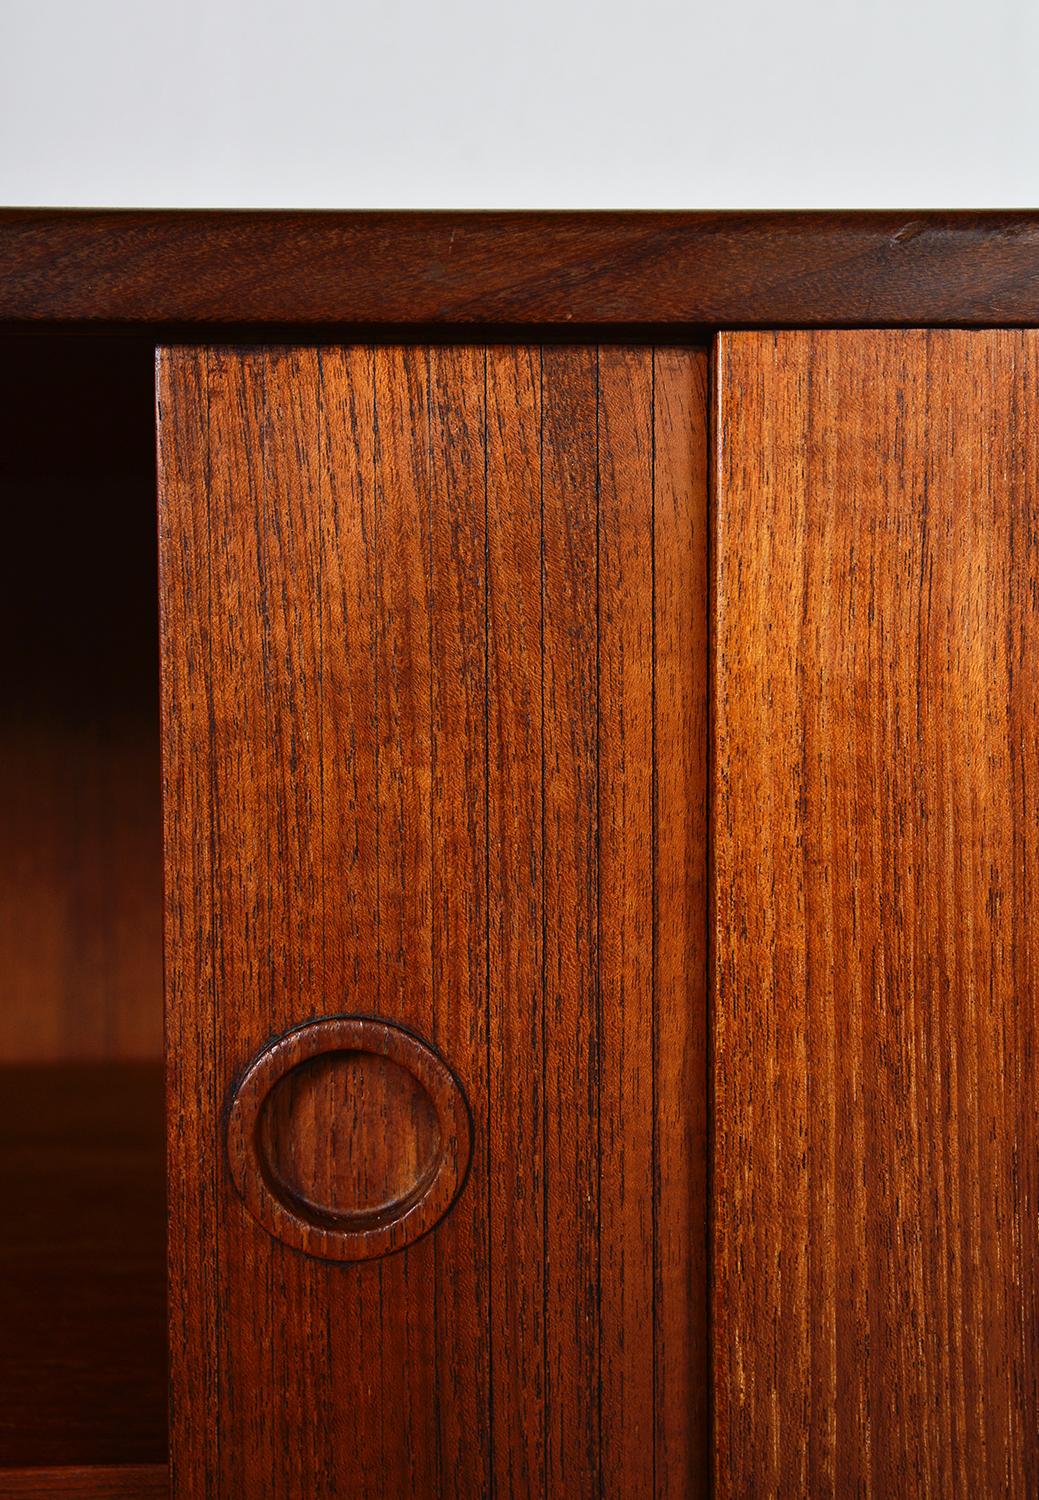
[875,840]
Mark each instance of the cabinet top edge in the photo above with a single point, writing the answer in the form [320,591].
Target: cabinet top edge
[200,271]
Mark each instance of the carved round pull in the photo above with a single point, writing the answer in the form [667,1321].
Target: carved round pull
[349,1138]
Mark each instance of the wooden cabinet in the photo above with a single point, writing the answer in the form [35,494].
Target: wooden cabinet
[598,776]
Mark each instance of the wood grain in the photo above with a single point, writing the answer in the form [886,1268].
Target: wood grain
[517,1107]
[264,271]
[682,1372]
[82,1250]
[572,1060]
[132,1482]
[875,870]
[417,767]
[341,1175]
[80,821]
[626,1142]
[458,713]
[358,1100]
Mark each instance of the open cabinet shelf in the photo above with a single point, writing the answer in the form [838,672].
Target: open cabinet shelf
[82,1256]
[83,1349]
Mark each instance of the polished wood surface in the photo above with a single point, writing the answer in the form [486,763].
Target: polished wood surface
[434,688]
[80,820]
[876,872]
[189,270]
[349,1138]
[82,1268]
[132,1482]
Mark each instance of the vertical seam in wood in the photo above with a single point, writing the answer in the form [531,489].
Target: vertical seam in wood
[321,669]
[322,484]
[654,1015]
[489,1258]
[707,854]
[712,530]
[216,927]
[263,360]
[598,915]
[434,976]
[376,641]
[544,946]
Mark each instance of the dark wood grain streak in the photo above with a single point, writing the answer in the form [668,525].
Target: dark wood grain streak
[132,1482]
[875,880]
[129,269]
[417,768]
[682,1369]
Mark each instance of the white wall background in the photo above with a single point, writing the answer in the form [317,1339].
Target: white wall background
[525,104]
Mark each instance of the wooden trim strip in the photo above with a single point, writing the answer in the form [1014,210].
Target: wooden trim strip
[121,270]
[118,1482]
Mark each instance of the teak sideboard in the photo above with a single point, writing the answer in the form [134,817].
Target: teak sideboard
[565,809]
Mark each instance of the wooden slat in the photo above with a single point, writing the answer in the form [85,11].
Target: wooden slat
[189,915]
[417,767]
[572,1058]
[626,1130]
[516,1101]
[273,270]
[875,880]
[682,1382]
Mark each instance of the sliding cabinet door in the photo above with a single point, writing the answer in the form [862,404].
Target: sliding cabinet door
[876,892]
[434,686]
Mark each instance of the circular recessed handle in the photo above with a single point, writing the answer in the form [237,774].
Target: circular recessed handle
[349,1138]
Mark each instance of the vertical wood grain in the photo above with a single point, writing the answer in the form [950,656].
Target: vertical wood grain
[349,735]
[682,1371]
[266,789]
[625,917]
[405,1355]
[875,751]
[194,1186]
[458,587]
[434,752]
[516,1100]
[572,1056]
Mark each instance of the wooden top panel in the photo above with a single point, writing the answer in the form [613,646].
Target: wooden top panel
[121,269]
